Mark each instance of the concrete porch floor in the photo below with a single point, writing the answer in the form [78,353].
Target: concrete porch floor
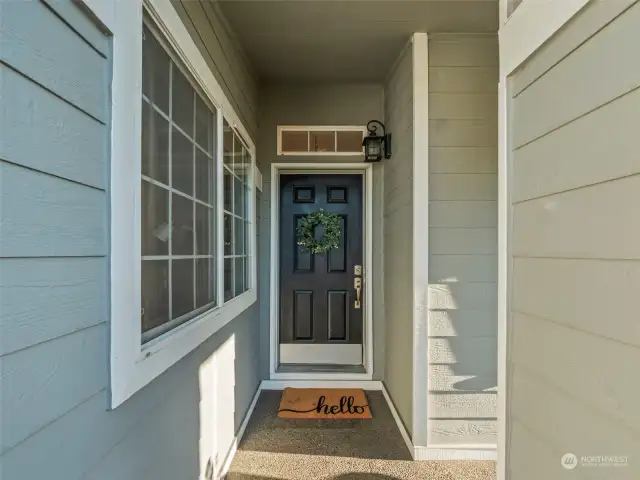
[280,449]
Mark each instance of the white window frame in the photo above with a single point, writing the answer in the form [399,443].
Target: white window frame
[134,365]
[319,128]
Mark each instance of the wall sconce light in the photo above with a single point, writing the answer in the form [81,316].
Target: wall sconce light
[376,146]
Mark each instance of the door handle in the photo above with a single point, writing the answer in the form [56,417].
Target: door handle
[357,284]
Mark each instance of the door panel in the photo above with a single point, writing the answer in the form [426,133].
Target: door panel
[317,294]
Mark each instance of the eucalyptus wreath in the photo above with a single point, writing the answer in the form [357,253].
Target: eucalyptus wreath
[331,238]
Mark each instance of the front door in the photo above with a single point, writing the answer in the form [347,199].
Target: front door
[320,306]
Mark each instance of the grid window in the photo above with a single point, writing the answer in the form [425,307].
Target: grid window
[320,140]
[178,195]
[236,169]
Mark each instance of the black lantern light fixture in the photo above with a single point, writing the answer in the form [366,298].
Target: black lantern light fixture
[376,146]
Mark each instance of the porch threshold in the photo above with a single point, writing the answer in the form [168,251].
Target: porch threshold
[320,368]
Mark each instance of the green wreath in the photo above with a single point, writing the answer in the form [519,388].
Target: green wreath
[331,238]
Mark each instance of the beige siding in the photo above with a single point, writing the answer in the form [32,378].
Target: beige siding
[398,238]
[574,332]
[463,189]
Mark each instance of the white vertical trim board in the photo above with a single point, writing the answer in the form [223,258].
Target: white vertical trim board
[366,170]
[531,25]
[420,64]
[504,209]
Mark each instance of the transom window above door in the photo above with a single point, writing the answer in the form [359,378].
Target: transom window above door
[302,140]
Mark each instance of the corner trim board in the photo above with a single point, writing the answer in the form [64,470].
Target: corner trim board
[420,72]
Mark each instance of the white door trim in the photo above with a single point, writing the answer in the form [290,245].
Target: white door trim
[366,170]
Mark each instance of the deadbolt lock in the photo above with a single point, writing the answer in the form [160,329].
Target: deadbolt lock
[357,270]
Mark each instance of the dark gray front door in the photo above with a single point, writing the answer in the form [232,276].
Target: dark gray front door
[320,319]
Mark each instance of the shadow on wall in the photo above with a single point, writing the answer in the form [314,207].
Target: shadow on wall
[464,340]
[227,382]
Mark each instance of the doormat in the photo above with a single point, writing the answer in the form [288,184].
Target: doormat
[317,403]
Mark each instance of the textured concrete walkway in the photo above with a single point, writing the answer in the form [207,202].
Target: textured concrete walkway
[279,449]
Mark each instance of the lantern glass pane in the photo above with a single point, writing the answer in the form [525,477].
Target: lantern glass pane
[373,148]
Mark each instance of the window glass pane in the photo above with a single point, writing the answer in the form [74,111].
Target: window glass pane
[155,147]
[178,229]
[204,230]
[182,297]
[155,220]
[182,220]
[228,190]
[322,142]
[247,273]
[239,276]
[227,144]
[239,194]
[237,153]
[349,141]
[155,293]
[204,125]
[182,96]
[155,71]
[228,279]
[238,234]
[295,141]
[205,282]
[182,163]
[243,161]
[205,188]
[228,234]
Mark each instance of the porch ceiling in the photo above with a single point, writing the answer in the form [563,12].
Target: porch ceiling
[344,40]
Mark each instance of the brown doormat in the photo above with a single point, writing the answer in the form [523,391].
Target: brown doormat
[337,403]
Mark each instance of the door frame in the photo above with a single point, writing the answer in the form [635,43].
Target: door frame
[366,171]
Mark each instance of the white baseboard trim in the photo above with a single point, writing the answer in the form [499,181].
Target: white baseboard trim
[321,376]
[282,384]
[396,417]
[236,441]
[454,452]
